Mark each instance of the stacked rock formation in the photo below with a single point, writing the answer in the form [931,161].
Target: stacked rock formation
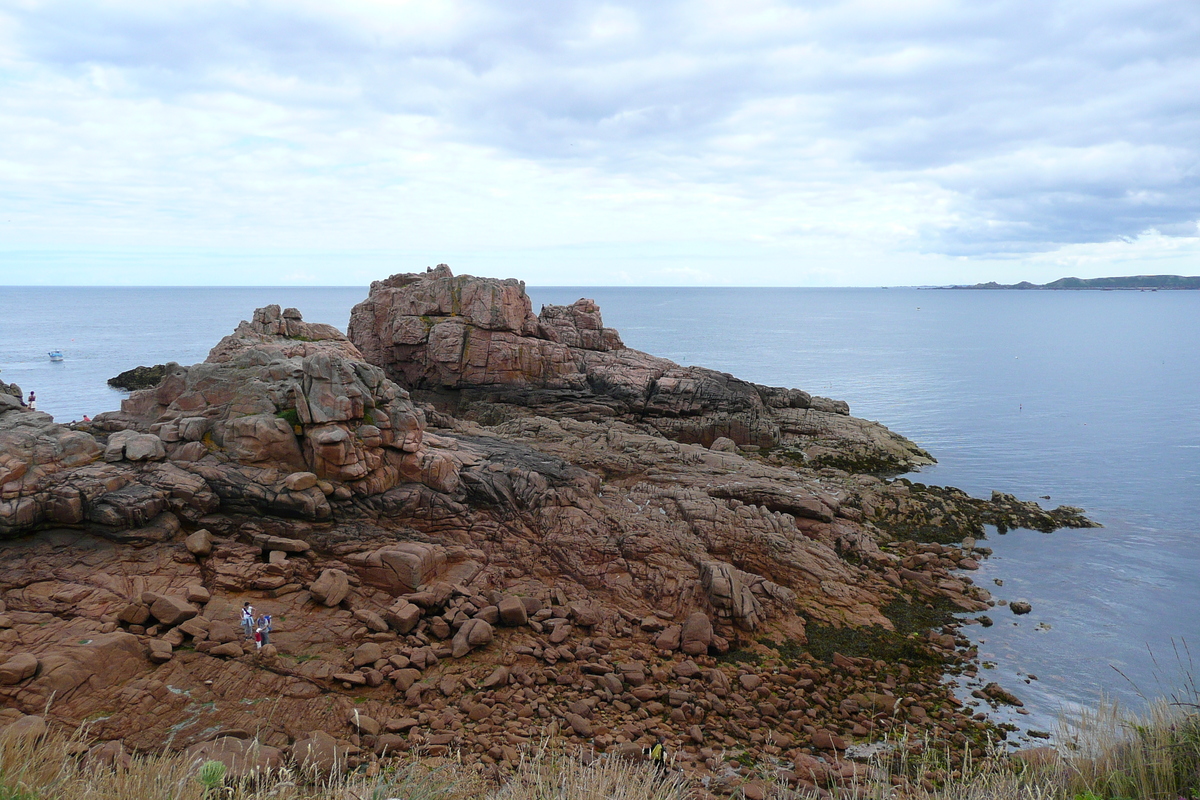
[565,538]
[477,342]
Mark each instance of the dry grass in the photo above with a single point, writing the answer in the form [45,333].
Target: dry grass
[1109,756]
[52,769]
[1156,755]
[547,776]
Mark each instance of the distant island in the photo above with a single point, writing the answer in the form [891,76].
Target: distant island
[1142,282]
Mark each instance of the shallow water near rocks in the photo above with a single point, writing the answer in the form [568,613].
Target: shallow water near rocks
[1092,398]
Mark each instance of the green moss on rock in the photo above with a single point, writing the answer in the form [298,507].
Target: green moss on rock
[139,378]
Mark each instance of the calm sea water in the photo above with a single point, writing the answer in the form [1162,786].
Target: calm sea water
[1091,398]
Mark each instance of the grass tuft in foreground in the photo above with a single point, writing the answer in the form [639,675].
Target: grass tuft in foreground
[1107,756]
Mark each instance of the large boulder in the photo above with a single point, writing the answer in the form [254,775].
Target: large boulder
[319,754]
[400,568]
[697,634]
[29,728]
[259,439]
[244,759]
[403,616]
[169,610]
[366,653]
[473,633]
[512,611]
[145,447]
[330,587]
[199,544]
[364,724]
[739,596]
[299,481]
[18,668]
[434,329]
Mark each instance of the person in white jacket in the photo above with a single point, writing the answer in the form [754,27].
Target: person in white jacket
[248,619]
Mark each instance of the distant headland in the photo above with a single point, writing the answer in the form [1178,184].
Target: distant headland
[1141,282]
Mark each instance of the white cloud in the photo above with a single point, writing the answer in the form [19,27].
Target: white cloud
[855,142]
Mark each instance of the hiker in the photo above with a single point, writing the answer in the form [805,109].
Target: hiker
[658,756]
[264,625]
[248,619]
[32,404]
[258,638]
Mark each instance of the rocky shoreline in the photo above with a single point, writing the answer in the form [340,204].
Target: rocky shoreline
[140,377]
[478,527]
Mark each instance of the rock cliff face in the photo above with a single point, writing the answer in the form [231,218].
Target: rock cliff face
[35,457]
[433,329]
[278,400]
[566,538]
[284,393]
[476,348]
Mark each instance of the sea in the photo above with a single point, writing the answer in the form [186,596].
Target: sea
[1083,398]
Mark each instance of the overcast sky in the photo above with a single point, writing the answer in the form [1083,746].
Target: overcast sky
[888,142]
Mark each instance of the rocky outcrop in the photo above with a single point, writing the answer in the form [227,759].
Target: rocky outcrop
[475,342]
[39,462]
[282,333]
[138,378]
[570,560]
[435,329]
[278,400]
[285,393]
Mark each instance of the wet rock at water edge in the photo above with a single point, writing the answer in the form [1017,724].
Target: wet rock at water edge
[139,378]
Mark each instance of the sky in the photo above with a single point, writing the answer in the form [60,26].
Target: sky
[752,143]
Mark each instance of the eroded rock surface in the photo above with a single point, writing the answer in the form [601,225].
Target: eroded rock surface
[475,343]
[545,547]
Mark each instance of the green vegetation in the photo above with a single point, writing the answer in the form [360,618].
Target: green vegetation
[211,776]
[915,614]
[876,642]
[289,416]
[139,378]
[860,464]
[789,650]
[839,458]
[910,617]
[739,656]
[9,793]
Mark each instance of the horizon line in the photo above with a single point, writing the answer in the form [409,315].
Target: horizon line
[528,285]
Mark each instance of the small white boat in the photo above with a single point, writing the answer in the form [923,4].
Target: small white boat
[56,355]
